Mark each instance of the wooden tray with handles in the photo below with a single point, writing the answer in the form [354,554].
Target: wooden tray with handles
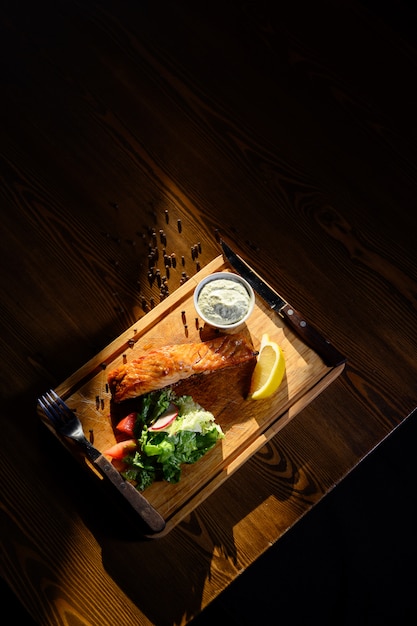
[247,424]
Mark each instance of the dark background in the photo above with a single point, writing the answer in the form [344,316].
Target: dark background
[352,559]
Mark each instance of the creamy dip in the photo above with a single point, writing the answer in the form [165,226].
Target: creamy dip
[223,301]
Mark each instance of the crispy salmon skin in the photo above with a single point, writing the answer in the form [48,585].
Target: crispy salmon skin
[166,366]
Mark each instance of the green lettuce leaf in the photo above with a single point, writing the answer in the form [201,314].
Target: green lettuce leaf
[162,453]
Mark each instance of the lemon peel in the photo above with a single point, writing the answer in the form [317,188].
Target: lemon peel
[269,369]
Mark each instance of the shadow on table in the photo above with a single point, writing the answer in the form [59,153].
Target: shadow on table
[138,567]
[350,562]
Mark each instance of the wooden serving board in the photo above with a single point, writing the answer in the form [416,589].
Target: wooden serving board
[247,424]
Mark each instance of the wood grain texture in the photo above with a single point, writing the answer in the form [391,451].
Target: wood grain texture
[295,139]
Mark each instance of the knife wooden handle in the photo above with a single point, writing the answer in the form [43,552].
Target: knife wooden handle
[140,504]
[312,337]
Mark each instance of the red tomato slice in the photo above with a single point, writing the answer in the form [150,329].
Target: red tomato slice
[120,465]
[121,449]
[127,424]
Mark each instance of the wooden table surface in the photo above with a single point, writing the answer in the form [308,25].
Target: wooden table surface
[287,127]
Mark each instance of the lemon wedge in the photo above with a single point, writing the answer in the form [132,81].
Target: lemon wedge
[269,369]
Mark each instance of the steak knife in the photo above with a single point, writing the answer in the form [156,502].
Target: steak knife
[330,355]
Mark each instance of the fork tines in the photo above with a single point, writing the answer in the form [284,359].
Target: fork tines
[54,407]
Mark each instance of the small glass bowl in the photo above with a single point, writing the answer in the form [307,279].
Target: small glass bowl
[219,306]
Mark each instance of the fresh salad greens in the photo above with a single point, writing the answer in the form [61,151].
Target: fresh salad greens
[161,453]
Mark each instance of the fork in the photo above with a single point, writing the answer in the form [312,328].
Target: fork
[66,423]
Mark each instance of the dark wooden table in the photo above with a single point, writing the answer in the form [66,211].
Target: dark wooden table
[288,127]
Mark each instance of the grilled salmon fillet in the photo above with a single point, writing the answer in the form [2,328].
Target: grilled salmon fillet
[166,366]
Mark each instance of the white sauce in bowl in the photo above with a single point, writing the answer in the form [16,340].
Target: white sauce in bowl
[223,301]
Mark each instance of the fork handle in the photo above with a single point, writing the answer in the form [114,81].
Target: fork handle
[154,520]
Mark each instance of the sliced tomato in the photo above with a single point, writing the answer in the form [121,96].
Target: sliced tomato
[121,449]
[120,465]
[126,425]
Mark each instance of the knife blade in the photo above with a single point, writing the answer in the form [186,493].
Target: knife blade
[305,331]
